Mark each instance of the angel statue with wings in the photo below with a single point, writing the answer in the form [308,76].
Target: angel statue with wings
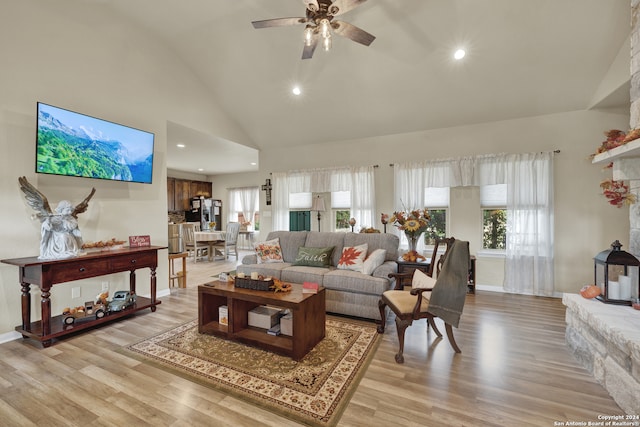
[60,236]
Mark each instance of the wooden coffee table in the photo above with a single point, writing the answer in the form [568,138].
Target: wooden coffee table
[308,316]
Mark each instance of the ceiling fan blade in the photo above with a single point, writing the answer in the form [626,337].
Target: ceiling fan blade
[352,32]
[307,52]
[338,7]
[312,5]
[278,22]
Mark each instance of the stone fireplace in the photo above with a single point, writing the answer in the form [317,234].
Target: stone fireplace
[606,338]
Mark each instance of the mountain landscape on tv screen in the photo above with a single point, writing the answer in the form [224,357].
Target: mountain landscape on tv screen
[63,150]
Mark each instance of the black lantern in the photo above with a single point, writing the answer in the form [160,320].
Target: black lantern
[617,275]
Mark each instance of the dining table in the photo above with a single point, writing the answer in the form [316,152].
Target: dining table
[211,238]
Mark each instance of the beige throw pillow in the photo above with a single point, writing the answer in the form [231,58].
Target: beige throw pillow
[374,260]
[421,280]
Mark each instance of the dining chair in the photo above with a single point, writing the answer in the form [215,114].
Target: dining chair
[230,240]
[191,245]
[196,226]
[436,261]
[430,298]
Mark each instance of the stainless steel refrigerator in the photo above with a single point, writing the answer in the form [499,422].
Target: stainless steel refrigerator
[204,211]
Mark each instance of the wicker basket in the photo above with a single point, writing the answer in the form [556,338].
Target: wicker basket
[258,285]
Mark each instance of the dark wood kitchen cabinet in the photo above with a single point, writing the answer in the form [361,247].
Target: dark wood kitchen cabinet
[180,192]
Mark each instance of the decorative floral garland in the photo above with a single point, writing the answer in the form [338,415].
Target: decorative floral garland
[617,192]
[616,138]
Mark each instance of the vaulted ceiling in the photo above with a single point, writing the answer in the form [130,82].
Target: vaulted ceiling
[524,58]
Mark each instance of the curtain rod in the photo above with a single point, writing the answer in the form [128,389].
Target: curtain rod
[373,166]
[556,151]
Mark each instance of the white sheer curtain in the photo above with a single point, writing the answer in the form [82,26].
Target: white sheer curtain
[363,195]
[360,181]
[409,182]
[529,260]
[280,201]
[529,179]
[245,200]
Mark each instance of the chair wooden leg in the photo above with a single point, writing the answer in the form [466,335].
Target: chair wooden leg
[401,326]
[433,325]
[452,340]
[382,306]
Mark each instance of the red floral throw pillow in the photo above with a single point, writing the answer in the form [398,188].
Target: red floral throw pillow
[353,257]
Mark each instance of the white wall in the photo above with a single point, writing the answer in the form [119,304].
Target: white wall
[80,57]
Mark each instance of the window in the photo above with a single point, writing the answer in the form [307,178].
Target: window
[256,220]
[340,206]
[437,202]
[300,201]
[244,206]
[493,200]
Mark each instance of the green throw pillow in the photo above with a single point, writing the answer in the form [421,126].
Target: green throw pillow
[314,257]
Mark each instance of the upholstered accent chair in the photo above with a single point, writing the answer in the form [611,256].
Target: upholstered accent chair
[430,298]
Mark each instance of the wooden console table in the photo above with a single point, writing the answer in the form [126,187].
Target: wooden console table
[46,273]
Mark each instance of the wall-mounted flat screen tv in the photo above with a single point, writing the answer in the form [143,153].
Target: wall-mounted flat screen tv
[74,144]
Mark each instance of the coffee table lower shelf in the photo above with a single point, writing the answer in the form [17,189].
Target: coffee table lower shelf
[308,310]
[281,344]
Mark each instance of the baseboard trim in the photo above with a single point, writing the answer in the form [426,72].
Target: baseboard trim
[9,336]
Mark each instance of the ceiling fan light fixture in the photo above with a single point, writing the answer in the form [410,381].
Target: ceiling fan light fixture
[326,43]
[308,35]
[325,28]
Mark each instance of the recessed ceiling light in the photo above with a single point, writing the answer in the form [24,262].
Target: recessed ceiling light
[296,90]
[459,54]
[180,145]
[200,169]
[253,163]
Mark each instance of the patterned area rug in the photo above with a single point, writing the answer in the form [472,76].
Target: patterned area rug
[314,390]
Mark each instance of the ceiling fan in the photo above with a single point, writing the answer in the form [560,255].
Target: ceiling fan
[320,22]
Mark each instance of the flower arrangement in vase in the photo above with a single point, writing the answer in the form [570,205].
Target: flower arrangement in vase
[413,223]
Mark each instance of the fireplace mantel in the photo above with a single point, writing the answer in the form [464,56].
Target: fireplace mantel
[626,161]
[628,150]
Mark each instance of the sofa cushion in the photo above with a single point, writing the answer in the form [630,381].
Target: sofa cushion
[290,241]
[317,239]
[353,281]
[386,241]
[314,257]
[374,260]
[269,251]
[301,274]
[353,258]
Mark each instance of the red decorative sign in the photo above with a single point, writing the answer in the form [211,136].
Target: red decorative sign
[139,241]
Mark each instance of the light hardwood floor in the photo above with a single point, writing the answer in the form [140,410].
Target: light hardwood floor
[514,370]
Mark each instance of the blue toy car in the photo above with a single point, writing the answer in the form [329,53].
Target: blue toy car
[122,300]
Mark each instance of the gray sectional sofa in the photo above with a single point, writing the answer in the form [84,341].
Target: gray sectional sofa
[348,292]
